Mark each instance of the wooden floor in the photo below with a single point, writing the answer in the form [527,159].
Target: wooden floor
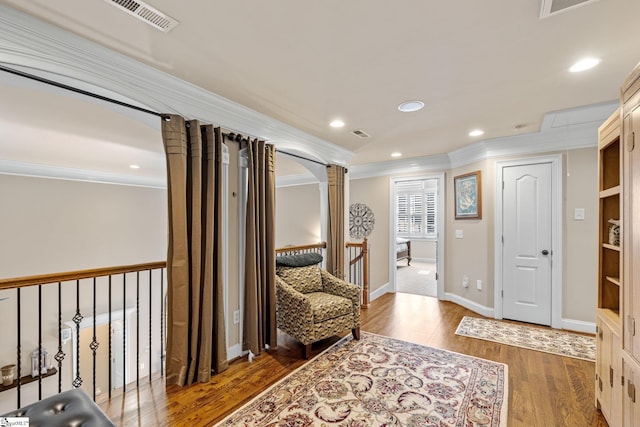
[544,390]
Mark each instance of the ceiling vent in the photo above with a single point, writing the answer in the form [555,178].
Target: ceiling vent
[360,133]
[146,13]
[552,7]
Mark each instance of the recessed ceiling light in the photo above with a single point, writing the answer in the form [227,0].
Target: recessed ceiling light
[476,132]
[584,64]
[396,154]
[134,166]
[410,106]
[336,123]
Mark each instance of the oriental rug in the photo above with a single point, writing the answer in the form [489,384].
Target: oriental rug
[381,381]
[552,341]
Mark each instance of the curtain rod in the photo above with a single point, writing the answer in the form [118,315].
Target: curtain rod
[75,89]
[302,157]
[231,135]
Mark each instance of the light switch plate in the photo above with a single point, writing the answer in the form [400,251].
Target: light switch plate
[578,214]
[459,234]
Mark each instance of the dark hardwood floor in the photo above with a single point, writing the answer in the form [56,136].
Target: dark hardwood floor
[544,390]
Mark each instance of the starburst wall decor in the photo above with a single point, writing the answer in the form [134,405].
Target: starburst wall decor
[361,221]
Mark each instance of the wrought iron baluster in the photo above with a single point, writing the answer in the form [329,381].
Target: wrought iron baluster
[77,382]
[150,318]
[162,322]
[19,362]
[137,328]
[94,342]
[110,355]
[39,342]
[124,332]
[60,354]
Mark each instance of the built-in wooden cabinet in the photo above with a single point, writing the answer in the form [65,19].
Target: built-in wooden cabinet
[609,369]
[630,147]
[631,392]
[610,288]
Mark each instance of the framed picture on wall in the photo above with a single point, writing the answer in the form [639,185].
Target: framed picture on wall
[468,196]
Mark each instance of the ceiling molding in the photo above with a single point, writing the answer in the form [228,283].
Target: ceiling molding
[28,42]
[401,166]
[56,172]
[298,179]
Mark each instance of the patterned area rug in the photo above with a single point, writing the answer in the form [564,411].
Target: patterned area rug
[380,381]
[547,340]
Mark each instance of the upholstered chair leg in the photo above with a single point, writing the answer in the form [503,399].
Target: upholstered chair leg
[307,351]
[356,333]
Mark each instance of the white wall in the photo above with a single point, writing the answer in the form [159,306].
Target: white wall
[52,226]
[298,215]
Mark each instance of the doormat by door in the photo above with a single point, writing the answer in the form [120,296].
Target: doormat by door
[544,339]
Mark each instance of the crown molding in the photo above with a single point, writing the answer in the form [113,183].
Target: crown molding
[298,179]
[400,166]
[56,172]
[45,49]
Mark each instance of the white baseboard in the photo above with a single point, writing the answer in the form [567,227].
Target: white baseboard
[468,304]
[234,351]
[380,291]
[579,326]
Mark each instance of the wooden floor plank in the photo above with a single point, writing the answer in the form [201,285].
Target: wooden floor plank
[544,389]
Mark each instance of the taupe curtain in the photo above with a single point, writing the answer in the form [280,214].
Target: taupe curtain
[260,264]
[335,227]
[196,342]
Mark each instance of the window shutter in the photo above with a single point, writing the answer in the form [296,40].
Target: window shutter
[416,206]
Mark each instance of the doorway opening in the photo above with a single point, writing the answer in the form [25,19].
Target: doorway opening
[416,228]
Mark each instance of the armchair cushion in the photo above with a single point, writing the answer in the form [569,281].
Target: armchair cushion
[298,260]
[326,306]
[302,279]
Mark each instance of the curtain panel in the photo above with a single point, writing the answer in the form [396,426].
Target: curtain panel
[260,264]
[196,342]
[335,227]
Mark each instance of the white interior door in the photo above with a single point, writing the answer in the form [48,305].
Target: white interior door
[527,240]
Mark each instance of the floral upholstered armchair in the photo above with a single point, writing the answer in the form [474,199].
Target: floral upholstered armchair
[311,303]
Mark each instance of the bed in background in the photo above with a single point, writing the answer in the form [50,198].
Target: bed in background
[403,249]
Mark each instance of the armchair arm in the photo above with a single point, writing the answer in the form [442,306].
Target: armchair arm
[333,285]
[293,312]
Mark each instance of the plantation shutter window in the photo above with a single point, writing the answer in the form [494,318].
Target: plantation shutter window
[416,209]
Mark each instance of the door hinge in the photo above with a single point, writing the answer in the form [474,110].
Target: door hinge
[503,185]
[436,276]
[502,294]
[502,239]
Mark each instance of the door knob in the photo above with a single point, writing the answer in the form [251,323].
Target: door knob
[545,252]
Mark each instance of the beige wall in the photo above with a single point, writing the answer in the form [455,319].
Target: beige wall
[374,192]
[298,215]
[423,249]
[473,255]
[580,260]
[51,225]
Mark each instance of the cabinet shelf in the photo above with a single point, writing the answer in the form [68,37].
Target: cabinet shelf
[614,280]
[613,191]
[28,379]
[612,247]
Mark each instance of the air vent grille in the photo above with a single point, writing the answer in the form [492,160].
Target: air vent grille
[551,7]
[146,13]
[360,133]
